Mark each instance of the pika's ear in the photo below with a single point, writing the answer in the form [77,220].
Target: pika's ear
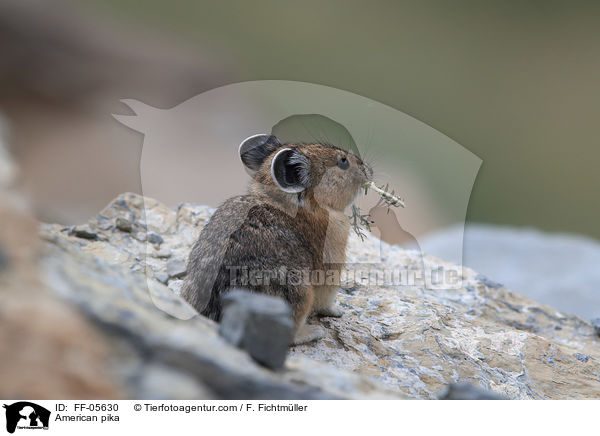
[290,170]
[255,149]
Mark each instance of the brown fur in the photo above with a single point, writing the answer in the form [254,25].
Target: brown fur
[269,229]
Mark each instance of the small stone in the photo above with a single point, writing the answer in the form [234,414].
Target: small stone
[82,232]
[162,277]
[140,236]
[176,268]
[124,225]
[467,391]
[260,324]
[163,253]
[155,238]
[596,324]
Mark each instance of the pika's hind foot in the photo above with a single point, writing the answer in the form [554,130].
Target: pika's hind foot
[333,311]
[308,333]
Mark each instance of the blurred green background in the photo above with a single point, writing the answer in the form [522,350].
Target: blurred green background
[517,83]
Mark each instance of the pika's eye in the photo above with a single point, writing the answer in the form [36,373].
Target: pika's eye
[343,163]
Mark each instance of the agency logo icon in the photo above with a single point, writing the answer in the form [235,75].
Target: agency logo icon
[24,415]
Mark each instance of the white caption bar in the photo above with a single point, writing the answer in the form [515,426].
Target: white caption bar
[297,417]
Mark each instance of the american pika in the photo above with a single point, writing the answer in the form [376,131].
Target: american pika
[286,237]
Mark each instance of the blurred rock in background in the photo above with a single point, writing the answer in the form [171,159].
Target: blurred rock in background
[48,349]
[560,270]
[62,74]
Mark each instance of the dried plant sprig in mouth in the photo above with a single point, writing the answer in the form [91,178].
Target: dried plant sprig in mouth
[388,197]
[359,221]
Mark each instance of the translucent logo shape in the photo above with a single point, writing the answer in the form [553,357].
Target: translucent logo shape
[190,155]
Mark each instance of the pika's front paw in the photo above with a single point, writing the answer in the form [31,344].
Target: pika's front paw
[333,311]
[309,333]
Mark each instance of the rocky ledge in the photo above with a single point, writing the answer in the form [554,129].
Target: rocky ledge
[123,272]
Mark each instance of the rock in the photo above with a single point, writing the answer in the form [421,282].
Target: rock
[82,232]
[124,225]
[55,340]
[163,278]
[153,238]
[556,269]
[143,337]
[596,324]
[176,268]
[48,348]
[161,382]
[163,253]
[393,340]
[260,324]
[466,391]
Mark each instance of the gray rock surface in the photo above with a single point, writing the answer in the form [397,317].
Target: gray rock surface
[596,324]
[118,302]
[391,342]
[176,268]
[260,324]
[466,391]
[106,279]
[560,270]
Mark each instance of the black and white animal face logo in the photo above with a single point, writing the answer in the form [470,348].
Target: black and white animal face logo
[26,415]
